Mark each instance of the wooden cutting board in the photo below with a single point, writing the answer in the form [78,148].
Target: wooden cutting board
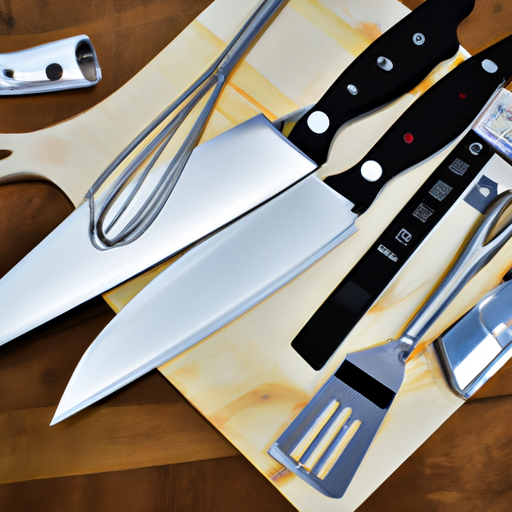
[146,448]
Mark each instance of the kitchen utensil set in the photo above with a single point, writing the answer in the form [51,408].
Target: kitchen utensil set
[259,216]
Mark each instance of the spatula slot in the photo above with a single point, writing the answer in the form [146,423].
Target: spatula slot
[315,429]
[329,438]
[326,438]
[338,449]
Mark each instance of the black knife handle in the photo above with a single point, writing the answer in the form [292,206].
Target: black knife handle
[324,332]
[391,66]
[438,117]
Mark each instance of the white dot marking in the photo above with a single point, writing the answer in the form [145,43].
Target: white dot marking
[489,66]
[384,63]
[318,122]
[371,170]
[485,191]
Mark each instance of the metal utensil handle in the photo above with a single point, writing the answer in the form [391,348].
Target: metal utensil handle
[213,78]
[475,254]
[249,32]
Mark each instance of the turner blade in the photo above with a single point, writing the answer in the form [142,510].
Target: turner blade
[328,440]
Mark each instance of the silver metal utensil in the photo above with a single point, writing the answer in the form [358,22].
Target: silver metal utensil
[327,441]
[479,344]
[153,140]
[64,64]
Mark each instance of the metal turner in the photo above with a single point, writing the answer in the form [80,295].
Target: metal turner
[327,441]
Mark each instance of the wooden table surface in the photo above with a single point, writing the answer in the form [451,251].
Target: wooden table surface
[145,448]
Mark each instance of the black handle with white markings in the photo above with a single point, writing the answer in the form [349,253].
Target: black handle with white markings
[435,120]
[352,298]
[391,66]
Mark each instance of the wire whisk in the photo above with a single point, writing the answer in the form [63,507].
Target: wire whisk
[212,80]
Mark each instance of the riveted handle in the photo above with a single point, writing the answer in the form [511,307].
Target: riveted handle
[433,121]
[391,66]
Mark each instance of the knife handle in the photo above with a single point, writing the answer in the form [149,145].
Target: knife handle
[433,121]
[324,332]
[391,66]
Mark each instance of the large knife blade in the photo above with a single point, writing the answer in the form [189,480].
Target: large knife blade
[233,270]
[68,267]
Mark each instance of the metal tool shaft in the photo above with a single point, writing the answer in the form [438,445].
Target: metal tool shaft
[474,255]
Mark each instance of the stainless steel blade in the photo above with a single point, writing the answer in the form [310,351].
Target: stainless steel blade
[253,162]
[211,285]
[238,267]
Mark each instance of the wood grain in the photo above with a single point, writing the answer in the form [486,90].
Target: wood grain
[145,448]
[43,208]
[466,465]
[107,445]
[207,486]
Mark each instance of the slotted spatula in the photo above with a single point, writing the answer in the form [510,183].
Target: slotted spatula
[327,441]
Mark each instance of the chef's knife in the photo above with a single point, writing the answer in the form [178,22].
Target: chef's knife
[234,269]
[253,162]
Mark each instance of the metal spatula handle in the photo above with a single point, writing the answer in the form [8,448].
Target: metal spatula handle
[474,255]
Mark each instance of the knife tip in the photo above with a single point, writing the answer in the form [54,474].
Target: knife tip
[57,418]
[62,413]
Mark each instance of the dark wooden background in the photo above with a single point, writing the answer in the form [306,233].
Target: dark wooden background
[145,448]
